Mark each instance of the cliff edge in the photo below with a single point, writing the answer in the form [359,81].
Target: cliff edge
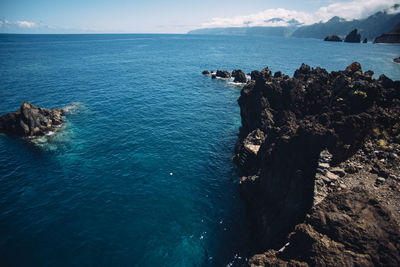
[320,153]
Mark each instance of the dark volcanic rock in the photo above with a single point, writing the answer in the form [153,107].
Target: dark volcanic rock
[239,76]
[333,38]
[365,41]
[338,232]
[397,60]
[30,120]
[286,124]
[391,37]
[205,72]
[353,37]
[223,74]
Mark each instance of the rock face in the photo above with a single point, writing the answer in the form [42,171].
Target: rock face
[30,120]
[339,233]
[295,134]
[353,37]
[239,76]
[392,37]
[223,74]
[333,38]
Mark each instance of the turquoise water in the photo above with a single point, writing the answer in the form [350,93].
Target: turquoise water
[100,192]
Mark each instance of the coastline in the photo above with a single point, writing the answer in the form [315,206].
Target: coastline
[320,152]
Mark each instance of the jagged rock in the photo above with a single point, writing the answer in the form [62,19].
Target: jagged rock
[30,120]
[391,37]
[300,118]
[205,72]
[239,76]
[338,232]
[333,38]
[223,74]
[353,37]
[365,41]
[277,74]
[338,171]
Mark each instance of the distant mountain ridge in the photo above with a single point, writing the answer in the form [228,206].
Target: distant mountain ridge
[370,27]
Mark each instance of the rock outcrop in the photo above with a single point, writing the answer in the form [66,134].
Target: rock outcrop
[296,139]
[392,37]
[353,37]
[333,38]
[205,72]
[29,121]
[239,76]
[397,60]
[223,74]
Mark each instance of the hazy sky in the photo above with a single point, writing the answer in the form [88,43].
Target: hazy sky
[170,16]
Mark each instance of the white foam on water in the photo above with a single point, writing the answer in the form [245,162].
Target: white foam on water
[75,107]
[236,84]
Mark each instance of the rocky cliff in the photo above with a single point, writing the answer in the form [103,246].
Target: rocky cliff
[312,197]
[391,37]
[353,37]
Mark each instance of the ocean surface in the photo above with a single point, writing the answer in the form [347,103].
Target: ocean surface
[141,172]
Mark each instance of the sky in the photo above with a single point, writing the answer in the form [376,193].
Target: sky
[172,16]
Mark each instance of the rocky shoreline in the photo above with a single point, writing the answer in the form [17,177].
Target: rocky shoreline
[31,121]
[321,156]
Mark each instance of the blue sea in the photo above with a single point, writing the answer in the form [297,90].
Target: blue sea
[141,173]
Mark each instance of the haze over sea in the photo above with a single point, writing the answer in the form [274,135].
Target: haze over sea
[141,173]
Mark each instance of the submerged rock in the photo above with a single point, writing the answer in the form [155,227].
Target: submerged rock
[205,72]
[333,38]
[353,37]
[239,76]
[30,120]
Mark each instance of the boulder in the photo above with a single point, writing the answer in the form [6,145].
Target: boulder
[223,74]
[30,120]
[353,37]
[239,76]
[205,72]
[333,38]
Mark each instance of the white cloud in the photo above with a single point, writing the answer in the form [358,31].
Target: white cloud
[19,23]
[354,9]
[26,24]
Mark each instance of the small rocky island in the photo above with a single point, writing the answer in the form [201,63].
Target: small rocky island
[333,38]
[31,121]
[353,37]
[320,153]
